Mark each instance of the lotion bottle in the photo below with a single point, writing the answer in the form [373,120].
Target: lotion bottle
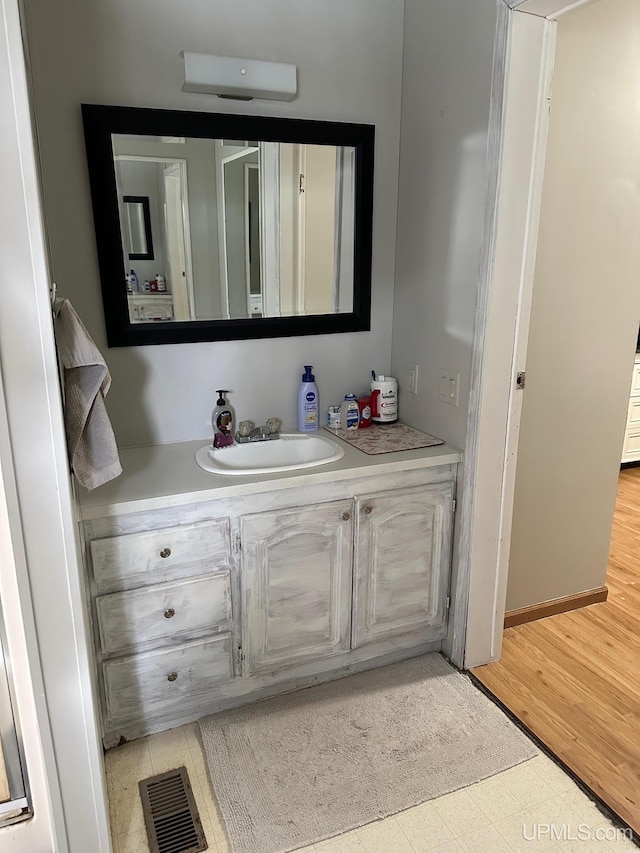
[308,402]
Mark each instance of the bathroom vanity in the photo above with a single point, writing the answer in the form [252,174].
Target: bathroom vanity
[207,591]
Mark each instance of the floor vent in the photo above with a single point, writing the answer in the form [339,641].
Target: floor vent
[170,813]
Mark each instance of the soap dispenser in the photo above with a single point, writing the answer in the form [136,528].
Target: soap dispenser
[222,421]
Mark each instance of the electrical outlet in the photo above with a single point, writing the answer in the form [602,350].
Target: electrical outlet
[412,384]
[449,387]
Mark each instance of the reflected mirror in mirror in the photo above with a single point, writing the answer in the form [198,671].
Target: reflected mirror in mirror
[136,218]
[222,237]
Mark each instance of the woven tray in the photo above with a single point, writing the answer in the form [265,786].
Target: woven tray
[386,438]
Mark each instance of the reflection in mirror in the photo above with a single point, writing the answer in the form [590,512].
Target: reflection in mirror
[273,235]
[137,227]
[251,227]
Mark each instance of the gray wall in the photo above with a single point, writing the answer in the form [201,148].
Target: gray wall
[349,59]
[585,310]
[448,56]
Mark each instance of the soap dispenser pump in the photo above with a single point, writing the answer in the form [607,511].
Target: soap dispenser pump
[222,421]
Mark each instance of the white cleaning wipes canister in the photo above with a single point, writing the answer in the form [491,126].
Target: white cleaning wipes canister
[384,399]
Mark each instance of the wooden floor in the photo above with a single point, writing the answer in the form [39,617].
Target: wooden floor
[574,679]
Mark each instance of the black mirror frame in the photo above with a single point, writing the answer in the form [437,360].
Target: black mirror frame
[100,122]
[146,216]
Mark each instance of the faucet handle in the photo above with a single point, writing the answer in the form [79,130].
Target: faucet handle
[273,425]
[245,427]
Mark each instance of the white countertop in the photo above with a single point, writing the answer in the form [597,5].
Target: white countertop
[167,475]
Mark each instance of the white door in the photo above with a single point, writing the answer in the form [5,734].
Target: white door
[584,314]
[183,308]
[42,596]
[517,153]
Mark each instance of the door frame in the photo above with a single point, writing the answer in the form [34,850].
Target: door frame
[524,56]
[45,545]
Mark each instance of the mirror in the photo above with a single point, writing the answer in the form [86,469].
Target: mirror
[220,227]
[137,226]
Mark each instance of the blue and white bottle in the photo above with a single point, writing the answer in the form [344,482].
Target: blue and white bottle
[308,402]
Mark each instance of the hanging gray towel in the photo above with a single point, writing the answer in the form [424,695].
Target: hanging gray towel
[93,453]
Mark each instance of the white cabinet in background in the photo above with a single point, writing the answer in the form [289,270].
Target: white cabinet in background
[631,446]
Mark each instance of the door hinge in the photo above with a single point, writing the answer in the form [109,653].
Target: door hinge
[521,378]
[453,505]
[301,183]
[447,603]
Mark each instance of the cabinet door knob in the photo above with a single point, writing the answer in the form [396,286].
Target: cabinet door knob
[172,676]
[368,510]
[346,516]
[169,613]
[166,552]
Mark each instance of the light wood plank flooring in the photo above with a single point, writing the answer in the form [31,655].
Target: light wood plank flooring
[574,679]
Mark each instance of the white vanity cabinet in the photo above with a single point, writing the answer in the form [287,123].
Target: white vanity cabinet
[146,306]
[296,572]
[219,593]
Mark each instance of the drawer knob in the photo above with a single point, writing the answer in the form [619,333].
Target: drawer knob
[368,510]
[346,516]
[172,676]
[166,552]
[169,613]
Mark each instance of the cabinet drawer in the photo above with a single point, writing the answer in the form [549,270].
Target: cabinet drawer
[633,414]
[148,685]
[174,611]
[631,447]
[635,381]
[117,559]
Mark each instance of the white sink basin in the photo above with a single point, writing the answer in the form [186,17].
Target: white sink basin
[290,452]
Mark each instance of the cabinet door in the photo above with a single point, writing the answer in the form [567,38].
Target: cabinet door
[402,564]
[296,580]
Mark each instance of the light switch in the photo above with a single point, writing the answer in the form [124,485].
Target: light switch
[449,387]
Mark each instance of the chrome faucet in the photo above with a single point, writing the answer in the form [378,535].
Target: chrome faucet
[248,432]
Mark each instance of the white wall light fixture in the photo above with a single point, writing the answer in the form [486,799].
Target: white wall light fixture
[242,79]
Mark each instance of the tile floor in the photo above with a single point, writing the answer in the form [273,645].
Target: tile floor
[500,815]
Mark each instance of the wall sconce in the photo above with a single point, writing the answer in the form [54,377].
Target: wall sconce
[242,79]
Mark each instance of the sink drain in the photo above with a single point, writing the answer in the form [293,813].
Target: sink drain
[170,813]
